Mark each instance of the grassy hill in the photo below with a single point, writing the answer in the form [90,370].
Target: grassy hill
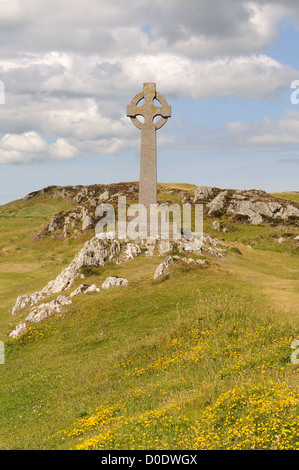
[198,359]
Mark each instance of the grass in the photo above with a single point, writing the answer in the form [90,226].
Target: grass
[291,195]
[199,359]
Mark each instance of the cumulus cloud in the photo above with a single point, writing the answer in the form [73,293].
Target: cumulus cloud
[196,29]
[265,134]
[31,147]
[71,66]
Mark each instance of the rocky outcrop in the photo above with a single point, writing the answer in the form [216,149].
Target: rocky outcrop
[93,288]
[114,282]
[194,262]
[253,206]
[85,200]
[44,310]
[82,288]
[88,219]
[131,251]
[204,193]
[257,211]
[94,253]
[216,225]
[163,267]
[217,205]
[97,252]
[19,330]
[248,206]
[40,313]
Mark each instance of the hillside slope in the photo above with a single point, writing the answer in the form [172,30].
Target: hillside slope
[197,359]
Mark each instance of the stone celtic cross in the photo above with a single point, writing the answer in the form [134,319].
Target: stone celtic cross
[148,157]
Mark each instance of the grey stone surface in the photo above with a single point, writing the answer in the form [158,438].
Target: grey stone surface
[216,225]
[114,282]
[218,203]
[148,157]
[92,288]
[164,267]
[203,193]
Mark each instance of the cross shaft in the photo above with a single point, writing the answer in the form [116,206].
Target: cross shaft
[148,157]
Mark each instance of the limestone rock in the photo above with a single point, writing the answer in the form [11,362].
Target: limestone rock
[257,210]
[106,235]
[114,282]
[40,313]
[150,251]
[163,267]
[164,246]
[61,193]
[254,210]
[104,196]
[216,225]
[218,203]
[87,219]
[94,253]
[92,288]
[193,261]
[131,251]
[44,310]
[194,244]
[19,330]
[203,193]
[82,288]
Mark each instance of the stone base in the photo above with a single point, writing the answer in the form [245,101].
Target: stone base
[157,230]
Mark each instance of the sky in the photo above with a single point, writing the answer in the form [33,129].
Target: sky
[227,67]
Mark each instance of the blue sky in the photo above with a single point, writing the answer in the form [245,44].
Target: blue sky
[225,67]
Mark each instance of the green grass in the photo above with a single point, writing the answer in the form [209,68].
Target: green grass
[291,195]
[197,359]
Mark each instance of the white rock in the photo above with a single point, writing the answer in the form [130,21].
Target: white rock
[218,203]
[92,288]
[203,193]
[164,246]
[132,250]
[114,282]
[87,219]
[193,261]
[19,329]
[79,290]
[104,196]
[44,310]
[216,225]
[163,267]
[106,235]
[150,251]
[94,253]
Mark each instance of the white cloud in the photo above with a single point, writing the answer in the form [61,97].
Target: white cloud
[31,147]
[266,134]
[71,66]
[196,28]
[83,99]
